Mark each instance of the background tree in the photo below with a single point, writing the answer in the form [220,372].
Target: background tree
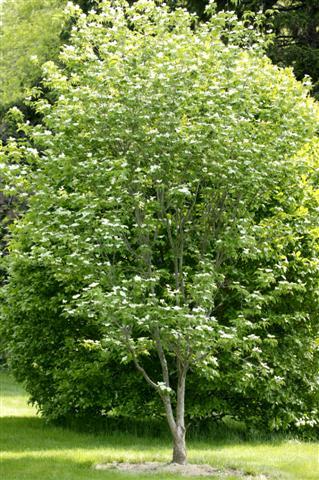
[174,212]
[297,38]
[295,25]
[29,33]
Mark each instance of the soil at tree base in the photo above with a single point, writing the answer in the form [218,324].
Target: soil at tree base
[188,470]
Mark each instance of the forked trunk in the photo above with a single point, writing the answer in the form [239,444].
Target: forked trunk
[176,422]
[179,450]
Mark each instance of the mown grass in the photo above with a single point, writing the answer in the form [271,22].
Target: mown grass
[33,450]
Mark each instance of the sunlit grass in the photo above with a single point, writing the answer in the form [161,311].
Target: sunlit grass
[13,399]
[33,450]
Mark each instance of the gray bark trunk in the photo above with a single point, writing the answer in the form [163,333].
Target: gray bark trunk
[179,450]
[176,422]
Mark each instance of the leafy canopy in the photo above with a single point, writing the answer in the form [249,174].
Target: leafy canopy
[174,204]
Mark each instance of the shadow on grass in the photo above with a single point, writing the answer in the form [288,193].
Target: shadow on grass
[34,434]
[225,431]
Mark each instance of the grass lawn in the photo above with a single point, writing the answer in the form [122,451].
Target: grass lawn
[32,450]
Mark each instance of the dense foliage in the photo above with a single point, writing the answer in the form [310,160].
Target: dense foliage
[32,31]
[295,24]
[296,27]
[29,35]
[174,200]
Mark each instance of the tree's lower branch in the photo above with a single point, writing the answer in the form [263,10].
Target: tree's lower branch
[162,357]
[143,372]
[136,362]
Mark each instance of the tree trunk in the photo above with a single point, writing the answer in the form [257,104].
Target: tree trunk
[176,423]
[179,450]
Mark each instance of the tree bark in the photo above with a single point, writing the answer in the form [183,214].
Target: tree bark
[176,422]
[179,450]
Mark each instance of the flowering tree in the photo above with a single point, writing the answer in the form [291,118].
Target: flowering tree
[169,201]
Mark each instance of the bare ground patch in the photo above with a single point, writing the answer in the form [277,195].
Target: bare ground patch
[190,470]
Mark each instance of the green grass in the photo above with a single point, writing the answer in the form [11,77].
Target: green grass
[32,450]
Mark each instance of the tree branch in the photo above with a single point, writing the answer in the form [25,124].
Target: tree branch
[162,357]
[165,397]
[136,362]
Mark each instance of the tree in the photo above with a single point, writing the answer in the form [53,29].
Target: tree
[294,23]
[29,33]
[297,38]
[172,213]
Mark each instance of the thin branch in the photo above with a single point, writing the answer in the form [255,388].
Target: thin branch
[165,396]
[284,9]
[135,360]
[129,246]
[175,260]
[162,357]
[143,372]
[187,217]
